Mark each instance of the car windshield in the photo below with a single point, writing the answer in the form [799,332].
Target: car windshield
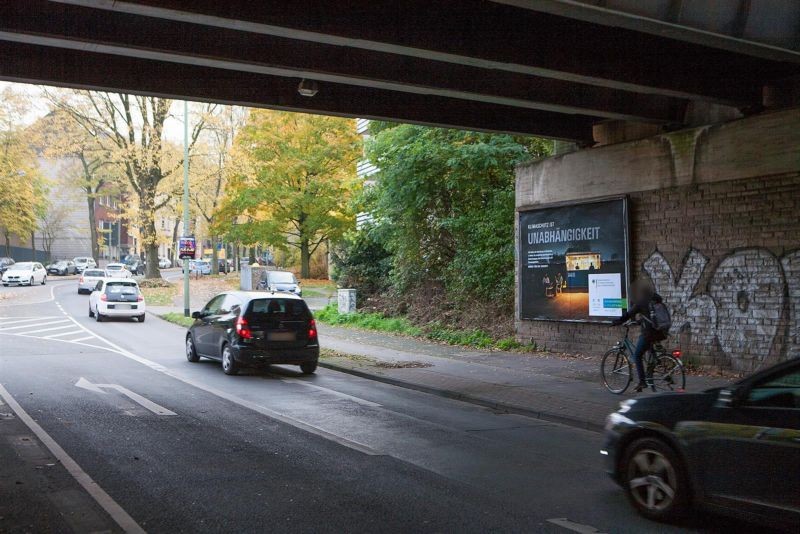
[24,266]
[61,263]
[96,274]
[121,288]
[282,278]
[282,309]
[114,267]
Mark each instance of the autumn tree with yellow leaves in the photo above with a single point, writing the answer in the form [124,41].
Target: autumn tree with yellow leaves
[296,186]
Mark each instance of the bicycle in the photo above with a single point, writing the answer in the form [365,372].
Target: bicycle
[664,372]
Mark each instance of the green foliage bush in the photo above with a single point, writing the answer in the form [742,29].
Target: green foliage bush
[444,200]
[361,261]
[367,321]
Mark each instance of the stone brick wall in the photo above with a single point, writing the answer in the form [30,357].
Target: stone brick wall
[715,224]
[726,258]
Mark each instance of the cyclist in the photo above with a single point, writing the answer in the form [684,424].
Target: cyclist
[642,295]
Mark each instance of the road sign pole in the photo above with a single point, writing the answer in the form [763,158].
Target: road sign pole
[186,204]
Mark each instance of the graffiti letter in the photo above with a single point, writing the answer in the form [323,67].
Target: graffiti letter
[748,290]
[791,270]
[698,312]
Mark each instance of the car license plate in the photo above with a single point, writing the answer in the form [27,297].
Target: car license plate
[123,306]
[281,336]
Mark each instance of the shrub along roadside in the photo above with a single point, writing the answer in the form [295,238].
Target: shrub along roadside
[178,319]
[433,331]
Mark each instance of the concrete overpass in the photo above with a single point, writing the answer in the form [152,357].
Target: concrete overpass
[546,67]
[689,107]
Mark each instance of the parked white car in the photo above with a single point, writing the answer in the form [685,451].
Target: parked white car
[164,263]
[84,262]
[88,280]
[118,270]
[116,297]
[25,273]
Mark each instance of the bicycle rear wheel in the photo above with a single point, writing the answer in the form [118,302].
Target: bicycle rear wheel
[615,368]
[668,374]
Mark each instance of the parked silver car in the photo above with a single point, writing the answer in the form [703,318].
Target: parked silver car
[89,279]
[84,262]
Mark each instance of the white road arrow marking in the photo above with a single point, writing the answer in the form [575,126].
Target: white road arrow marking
[573,526]
[135,397]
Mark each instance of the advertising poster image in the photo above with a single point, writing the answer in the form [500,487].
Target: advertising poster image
[573,262]
[187,248]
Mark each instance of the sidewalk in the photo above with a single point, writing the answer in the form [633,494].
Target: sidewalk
[561,389]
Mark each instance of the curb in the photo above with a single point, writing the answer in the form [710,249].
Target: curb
[455,395]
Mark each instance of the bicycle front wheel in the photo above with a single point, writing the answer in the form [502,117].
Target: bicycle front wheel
[668,374]
[615,368]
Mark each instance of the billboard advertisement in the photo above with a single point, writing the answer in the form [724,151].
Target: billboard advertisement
[186,248]
[573,262]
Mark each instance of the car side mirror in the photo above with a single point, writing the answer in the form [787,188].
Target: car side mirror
[196,315]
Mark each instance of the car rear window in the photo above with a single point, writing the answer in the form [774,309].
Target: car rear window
[121,288]
[96,274]
[278,308]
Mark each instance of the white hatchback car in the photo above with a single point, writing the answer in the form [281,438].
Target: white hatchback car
[89,278]
[118,270]
[25,273]
[117,297]
[83,262]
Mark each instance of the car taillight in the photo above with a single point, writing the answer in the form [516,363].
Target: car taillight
[139,298]
[676,353]
[243,329]
[104,297]
[312,330]
[80,280]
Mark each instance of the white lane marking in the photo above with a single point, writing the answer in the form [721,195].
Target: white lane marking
[563,522]
[30,325]
[135,397]
[70,333]
[80,338]
[31,332]
[16,320]
[358,400]
[120,516]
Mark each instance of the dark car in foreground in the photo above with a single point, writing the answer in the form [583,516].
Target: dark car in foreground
[733,450]
[243,329]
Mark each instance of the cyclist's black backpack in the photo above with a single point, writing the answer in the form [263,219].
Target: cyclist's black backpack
[659,316]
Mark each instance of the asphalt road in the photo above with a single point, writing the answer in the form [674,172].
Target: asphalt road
[179,447]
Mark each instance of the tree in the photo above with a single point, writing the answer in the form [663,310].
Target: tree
[62,137]
[301,176]
[132,128]
[52,222]
[447,199]
[23,190]
[213,168]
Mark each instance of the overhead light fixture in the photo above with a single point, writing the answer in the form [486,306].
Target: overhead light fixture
[308,88]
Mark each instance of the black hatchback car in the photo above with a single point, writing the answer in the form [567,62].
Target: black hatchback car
[733,450]
[249,328]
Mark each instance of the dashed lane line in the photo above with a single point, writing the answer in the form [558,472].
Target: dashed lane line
[117,513]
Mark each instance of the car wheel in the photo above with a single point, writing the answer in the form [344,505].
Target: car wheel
[654,480]
[30,282]
[44,280]
[141,318]
[97,316]
[308,368]
[229,365]
[191,353]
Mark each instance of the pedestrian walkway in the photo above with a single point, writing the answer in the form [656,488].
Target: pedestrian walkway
[555,388]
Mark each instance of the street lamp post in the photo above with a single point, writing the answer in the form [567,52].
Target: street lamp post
[185,204]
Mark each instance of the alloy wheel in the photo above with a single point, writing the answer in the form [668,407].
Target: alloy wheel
[652,480]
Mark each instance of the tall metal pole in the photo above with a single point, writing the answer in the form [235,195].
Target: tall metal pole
[185,204]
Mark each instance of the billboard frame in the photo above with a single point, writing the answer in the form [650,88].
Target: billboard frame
[568,203]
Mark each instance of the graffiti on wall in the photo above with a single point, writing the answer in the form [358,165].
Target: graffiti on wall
[742,306]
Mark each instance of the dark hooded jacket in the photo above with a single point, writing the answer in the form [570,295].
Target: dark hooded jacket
[642,307]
